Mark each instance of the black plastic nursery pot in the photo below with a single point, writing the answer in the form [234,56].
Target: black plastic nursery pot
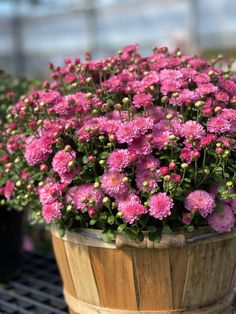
[11,239]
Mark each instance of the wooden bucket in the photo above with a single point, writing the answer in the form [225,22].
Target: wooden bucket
[178,275]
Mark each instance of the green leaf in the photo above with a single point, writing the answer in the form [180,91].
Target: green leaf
[131,233]
[85,159]
[104,155]
[190,228]
[187,180]
[226,175]
[121,227]
[108,235]
[219,206]
[93,221]
[111,220]
[103,216]
[154,236]
[151,228]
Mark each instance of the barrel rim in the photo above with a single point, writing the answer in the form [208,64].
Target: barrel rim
[93,237]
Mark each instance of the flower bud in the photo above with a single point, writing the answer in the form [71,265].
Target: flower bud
[71,164]
[125,180]
[68,148]
[111,138]
[96,185]
[196,155]
[199,104]
[172,137]
[172,165]
[219,150]
[29,187]
[125,100]
[91,212]
[218,109]
[119,215]
[167,178]
[164,170]
[18,183]
[43,167]
[229,184]
[69,208]
[169,116]
[145,184]
[101,138]
[41,184]
[184,165]
[102,162]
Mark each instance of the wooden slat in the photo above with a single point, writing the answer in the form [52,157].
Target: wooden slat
[154,279]
[113,270]
[82,273]
[61,258]
[210,272]
[178,267]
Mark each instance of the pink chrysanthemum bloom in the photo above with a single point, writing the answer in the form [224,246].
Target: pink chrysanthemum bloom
[118,160]
[207,140]
[192,129]
[51,211]
[205,89]
[140,147]
[49,193]
[147,162]
[113,185]
[169,86]
[131,208]
[146,181]
[167,74]
[160,138]
[8,189]
[38,150]
[61,159]
[200,201]
[80,195]
[127,132]
[142,100]
[218,124]
[60,165]
[160,205]
[143,124]
[223,221]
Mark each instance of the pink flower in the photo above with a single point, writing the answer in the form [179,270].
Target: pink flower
[192,129]
[143,124]
[223,221]
[142,100]
[131,208]
[8,189]
[146,181]
[160,138]
[140,147]
[51,211]
[200,201]
[207,140]
[38,150]
[80,196]
[49,193]
[118,160]
[113,185]
[61,159]
[147,162]
[160,205]
[127,132]
[218,124]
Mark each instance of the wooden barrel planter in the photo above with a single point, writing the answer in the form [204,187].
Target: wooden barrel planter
[177,275]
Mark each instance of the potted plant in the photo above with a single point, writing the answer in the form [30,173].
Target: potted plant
[13,175]
[137,157]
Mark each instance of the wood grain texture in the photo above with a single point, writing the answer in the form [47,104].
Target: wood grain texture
[82,273]
[63,265]
[113,271]
[154,279]
[178,269]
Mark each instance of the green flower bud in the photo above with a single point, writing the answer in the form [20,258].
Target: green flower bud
[18,183]
[199,104]
[184,165]
[96,185]
[69,208]
[229,184]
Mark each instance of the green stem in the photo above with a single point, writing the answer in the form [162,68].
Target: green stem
[195,172]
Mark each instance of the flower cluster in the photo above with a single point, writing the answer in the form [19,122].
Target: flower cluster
[17,180]
[133,143]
